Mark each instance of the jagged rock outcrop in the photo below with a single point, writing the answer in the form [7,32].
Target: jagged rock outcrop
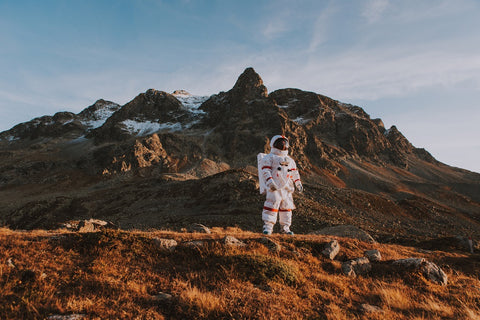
[242,121]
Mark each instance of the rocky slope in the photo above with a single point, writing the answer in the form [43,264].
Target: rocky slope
[163,160]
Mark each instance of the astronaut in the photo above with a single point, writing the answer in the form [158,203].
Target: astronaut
[278,177]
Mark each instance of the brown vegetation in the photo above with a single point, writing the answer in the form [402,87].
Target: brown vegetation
[121,275]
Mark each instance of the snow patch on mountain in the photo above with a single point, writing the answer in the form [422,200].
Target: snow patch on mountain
[100,116]
[190,102]
[143,128]
[301,120]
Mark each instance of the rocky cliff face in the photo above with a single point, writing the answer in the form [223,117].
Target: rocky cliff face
[179,140]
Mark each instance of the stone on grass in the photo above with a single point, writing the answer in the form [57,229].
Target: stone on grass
[86,226]
[200,228]
[331,249]
[359,266]
[429,269]
[166,244]
[193,244]
[373,255]
[233,242]
[272,245]
[93,225]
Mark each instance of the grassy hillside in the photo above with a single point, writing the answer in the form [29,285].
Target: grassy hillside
[128,275]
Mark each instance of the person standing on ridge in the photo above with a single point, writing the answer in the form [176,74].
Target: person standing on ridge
[278,177]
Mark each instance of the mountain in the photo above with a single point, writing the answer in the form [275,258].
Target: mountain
[165,160]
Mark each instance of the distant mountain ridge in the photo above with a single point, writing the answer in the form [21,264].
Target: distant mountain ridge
[184,139]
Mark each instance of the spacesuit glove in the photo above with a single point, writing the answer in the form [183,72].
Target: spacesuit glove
[299,186]
[290,188]
[272,185]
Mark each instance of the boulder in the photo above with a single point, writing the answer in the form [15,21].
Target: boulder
[373,255]
[347,231]
[430,270]
[359,266]
[331,249]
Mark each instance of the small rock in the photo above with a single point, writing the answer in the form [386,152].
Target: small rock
[10,263]
[347,269]
[331,249]
[74,316]
[373,255]
[413,263]
[368,308]
[86,226]
[98,222]
[197,227]
[93,225]
[166,244]
[272,245]
[193,244]
[359,266]
[162,296]
[434,273]
[232,241]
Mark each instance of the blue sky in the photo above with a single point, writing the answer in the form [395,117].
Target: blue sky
[413,63]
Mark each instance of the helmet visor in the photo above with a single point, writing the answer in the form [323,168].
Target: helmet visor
[281,144]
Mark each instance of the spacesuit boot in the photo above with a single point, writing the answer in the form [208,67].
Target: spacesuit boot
[285,221]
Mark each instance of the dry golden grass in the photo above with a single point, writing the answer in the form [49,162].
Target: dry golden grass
[118,275]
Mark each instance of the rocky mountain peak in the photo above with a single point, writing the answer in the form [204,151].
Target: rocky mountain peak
[398,140]
[249,86]
[101,109]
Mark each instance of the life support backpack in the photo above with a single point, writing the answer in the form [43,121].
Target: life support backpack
[261,178]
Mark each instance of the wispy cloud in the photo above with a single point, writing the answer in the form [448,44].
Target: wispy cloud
[275,28]
[373,10]
[321,27]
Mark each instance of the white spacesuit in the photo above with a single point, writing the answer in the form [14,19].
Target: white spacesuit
[278,177]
